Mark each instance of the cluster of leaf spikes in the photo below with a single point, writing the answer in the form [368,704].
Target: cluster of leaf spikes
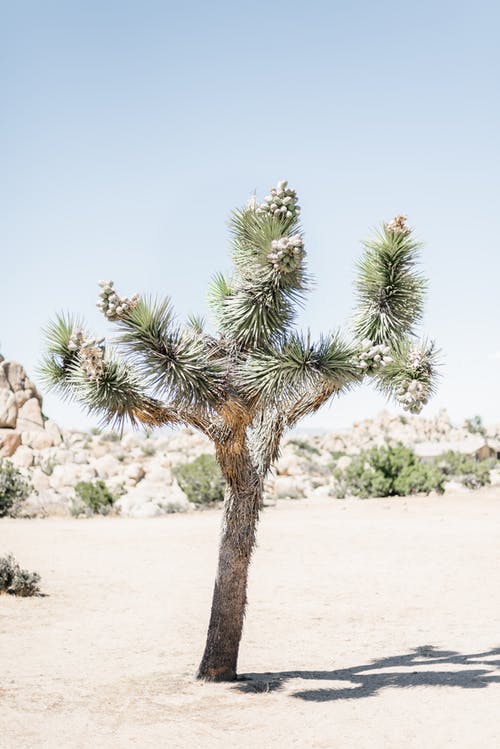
[78,367]
[390,288]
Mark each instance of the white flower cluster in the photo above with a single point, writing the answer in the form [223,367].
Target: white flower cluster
[373,355]
[398,225]
[413,395]
[287,253]
[416,357]
[90,351]
[282,202]
[115,307]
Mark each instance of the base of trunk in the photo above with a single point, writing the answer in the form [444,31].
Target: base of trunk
[216,674]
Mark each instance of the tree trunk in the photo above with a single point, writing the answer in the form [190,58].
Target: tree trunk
[241,511]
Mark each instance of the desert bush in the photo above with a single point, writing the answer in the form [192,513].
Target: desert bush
[387,471]
[14,488]
[302,446]
[201,480]
[470,472]
[92,498]
[110,437]
[336,454]
[47,465]
[475,425]
[148,449]
[16,581]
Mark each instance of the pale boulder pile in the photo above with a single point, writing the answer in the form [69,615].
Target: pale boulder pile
[307,462]
[136,468]
[23,427]
[139,468]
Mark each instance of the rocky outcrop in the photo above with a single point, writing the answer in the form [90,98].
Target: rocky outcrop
[140,469]
[22,423]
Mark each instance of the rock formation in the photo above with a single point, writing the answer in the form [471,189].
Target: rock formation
[140,469]
[22,423]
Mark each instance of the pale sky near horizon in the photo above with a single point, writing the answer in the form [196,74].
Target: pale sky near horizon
[130,129]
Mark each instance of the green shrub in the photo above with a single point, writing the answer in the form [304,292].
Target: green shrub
[302,446]
[470,472]
[92,498]
[47,465]
[110,437]
[201,480]
[336,454]
[16,581]
[386,472]
[148,449]
[475,425]
[14,488]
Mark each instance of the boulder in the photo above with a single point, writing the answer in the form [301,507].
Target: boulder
[8,409]
[495,477]
[45,502]
[23,457]
[53,430]
[4,383]
[61,455]
[130,440]
[22,397]
[165,499]
[343,462]
[287,487]
[37,440]
[452,487]
[107,466]
[29,417]
[40,480]
[133,473]
[68,475]
[157,474]
[13,375]
[80,457]
[288,464]
[9,442]
[145,510]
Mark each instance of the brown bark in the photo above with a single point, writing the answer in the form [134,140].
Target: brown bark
[241,511]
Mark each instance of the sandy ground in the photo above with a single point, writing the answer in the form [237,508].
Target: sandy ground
[370,624]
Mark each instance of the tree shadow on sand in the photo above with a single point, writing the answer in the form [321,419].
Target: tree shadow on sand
[363,681]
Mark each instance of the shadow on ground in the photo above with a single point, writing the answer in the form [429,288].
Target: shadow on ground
[423,666]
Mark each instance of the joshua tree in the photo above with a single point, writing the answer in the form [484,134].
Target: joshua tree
[254,378]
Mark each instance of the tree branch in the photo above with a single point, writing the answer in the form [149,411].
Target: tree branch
[390,289]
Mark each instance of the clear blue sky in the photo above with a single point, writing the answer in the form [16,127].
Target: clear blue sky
[130,129]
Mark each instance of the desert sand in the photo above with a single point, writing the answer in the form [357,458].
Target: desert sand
[370,624]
